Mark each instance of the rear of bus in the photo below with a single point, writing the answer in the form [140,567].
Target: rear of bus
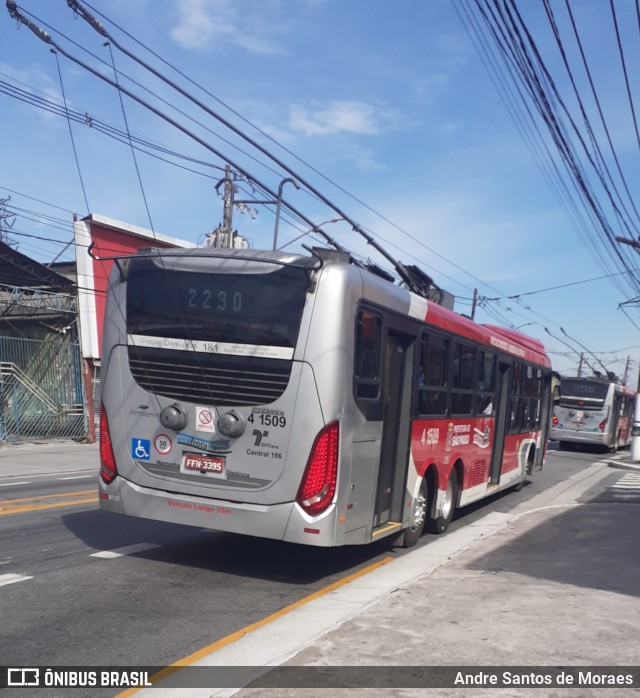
[583,413]
[211,415]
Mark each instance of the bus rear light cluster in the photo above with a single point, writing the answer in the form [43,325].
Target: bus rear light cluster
[108,469]
[318,485]
[602,425]
[555,421]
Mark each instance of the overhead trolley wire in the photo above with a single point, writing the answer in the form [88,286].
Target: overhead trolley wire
[514,54]
[601,164]
[515,49]
[73,143]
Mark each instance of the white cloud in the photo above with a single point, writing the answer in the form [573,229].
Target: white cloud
[343,116]
[253,25]
[259,45]
[200,23]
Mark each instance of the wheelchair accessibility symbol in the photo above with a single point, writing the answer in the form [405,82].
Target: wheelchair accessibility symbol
[140,449]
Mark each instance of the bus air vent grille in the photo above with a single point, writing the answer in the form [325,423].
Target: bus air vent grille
[209,379]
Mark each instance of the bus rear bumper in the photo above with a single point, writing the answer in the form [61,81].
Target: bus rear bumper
[584,437]
[283,521]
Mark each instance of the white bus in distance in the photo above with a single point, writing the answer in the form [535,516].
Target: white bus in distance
[593,411]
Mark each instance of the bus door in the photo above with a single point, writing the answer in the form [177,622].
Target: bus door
[615,419]
[502,421]
[394,452]
[545,420]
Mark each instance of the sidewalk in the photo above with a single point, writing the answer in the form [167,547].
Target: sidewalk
[47,458]
[553,583]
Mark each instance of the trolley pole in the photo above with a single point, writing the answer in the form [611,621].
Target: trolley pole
[626,371]
[474,302]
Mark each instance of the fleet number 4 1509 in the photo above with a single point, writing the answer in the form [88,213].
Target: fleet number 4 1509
[430,436]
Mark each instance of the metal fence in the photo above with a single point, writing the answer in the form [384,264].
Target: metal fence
[41,390]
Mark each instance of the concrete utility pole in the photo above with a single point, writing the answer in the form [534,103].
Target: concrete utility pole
[224,235]
[228,201]
[580,365]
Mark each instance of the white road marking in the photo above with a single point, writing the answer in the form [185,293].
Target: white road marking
[12,578]
[127,550]
[77,477]
[631,480]
[13,484]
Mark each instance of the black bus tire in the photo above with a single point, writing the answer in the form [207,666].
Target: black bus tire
[440,524]
[419,509]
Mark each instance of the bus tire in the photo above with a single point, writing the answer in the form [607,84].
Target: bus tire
[528,469]
[419,507]
[439,524]
[517,487]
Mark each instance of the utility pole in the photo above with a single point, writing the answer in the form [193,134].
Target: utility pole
[228,201]
[224,235]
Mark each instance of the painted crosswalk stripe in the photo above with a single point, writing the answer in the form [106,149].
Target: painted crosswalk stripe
[12,578]
[627,481]
[126,550]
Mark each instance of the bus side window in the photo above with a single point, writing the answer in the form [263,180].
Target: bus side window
[515,415]
[368,355]
[463,382]
[433,379]
[485,383]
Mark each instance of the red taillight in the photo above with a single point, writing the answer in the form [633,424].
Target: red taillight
[108,469]
[555,421]
[319,482]
[602,425]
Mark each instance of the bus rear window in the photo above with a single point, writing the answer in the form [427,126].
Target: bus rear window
[577,393]
[243,308]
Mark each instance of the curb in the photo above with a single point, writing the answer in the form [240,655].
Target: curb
[622,465]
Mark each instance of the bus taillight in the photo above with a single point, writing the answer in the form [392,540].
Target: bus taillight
[319,482]
[555,421]
[108,469]
[602,425]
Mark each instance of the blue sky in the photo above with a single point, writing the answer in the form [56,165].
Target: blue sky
[390,101]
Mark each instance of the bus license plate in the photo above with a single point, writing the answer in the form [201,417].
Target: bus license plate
[213,466]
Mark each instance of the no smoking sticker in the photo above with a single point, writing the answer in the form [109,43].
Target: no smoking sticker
[204,419]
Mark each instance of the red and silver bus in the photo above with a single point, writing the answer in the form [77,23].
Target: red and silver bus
[306,399]
[593,411]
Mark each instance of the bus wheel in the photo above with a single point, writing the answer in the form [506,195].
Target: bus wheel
[520,485]
[528,469]
[440,524]
[411,535]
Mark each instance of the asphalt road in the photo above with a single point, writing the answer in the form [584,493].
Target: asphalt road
[92,588]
